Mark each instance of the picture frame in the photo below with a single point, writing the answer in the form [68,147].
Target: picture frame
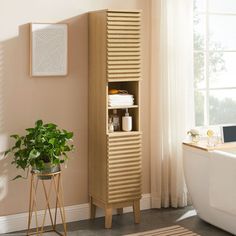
[48,49]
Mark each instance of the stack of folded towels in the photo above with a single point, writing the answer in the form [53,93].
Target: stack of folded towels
[115,100]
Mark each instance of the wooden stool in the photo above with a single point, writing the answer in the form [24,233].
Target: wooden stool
[54,186]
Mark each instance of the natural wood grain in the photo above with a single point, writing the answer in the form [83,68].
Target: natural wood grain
[125,71]
[132,176]
[126,53]
[123,147]
[124,11]
[123,36]
[203,146]
[122,31]
[128,186]
[123,45]
[124,75]
[119,40]
[134,172]
[125,17]
[124,134]
[115,67]
[114,158]
[124,79]
[125,160]
[97,101]
[118,183]
[123,23]
[129,62]
[124,156]
[136,209]
[123,152]
[124,166]
[123,27]
[124,199]
[92,209]
[123,58]
[120,14]
[108,217]
[128,49]
[124,143]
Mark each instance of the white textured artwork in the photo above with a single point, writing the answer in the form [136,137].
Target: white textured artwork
[49,49]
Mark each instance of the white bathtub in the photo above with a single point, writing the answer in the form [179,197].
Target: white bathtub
[198,173]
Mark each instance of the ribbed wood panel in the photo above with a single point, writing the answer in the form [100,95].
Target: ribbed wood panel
[119,31]
[123,23]
[123,19]
[119,40]
[124,167]
[124,49]
[123,58]
[123,46]
[123,27]
[120,53]
[123,36]
[132,66]
[136,62]
[121,14]
[114,158]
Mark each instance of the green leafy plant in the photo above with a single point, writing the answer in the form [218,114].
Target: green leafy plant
[45,143]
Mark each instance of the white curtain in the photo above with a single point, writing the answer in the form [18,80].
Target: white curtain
[171,98]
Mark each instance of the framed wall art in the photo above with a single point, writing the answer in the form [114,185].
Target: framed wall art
[48,49]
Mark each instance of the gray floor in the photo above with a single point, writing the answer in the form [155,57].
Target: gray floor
[150,219]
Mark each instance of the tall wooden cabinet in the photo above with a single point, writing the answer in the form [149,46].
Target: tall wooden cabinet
[114,158]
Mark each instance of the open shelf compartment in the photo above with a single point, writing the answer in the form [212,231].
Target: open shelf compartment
[132,87]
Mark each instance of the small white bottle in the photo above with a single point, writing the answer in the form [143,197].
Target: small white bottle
[116,120]
[126,121]
[110,126]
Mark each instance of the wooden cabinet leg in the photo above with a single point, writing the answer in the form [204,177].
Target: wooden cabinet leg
[119,211]
[108,218]
[136,209]
[92,209]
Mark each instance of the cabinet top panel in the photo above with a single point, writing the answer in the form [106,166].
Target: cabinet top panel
[122,133]
[119,10]
[125,10]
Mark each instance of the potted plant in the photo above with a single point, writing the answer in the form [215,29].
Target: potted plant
[42,149]
[194,134]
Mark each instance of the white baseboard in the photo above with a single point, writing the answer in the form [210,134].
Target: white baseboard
[18,222]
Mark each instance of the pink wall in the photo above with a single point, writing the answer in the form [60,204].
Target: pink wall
[60,100]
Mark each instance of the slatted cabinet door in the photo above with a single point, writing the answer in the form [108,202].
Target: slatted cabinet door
[123,46]
[124,167]
[114,158]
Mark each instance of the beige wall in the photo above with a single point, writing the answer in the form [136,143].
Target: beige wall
[60,100]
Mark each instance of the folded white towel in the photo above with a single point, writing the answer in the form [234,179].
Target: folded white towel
[120,100]
[120,97]
[121,104]
[222,181]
